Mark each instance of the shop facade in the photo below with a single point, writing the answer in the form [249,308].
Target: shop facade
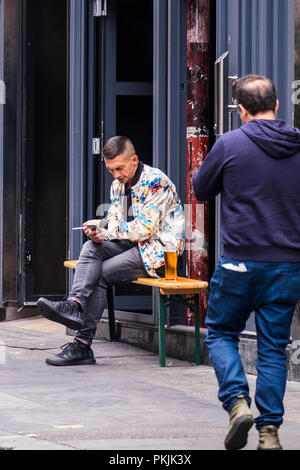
[73,73]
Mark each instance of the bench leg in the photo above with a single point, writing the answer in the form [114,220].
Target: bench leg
[111,313]
[161,329]
[197,329]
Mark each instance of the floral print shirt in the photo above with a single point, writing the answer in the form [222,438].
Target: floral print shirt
[158,216]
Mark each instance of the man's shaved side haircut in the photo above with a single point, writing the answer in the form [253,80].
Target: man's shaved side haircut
[116,146]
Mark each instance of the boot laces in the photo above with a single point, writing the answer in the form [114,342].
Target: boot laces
[71,349]
[67,346]
[70,307]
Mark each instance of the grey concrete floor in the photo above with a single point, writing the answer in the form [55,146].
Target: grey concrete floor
[123,402]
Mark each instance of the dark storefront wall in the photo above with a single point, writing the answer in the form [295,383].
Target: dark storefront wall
[262,36]
[33,162]
[10,215]
[2,104]
[240,29]
[35,149]
[44,148]
[259,36]
[51,184]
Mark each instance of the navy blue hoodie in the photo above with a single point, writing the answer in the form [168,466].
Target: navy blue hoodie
[257,171]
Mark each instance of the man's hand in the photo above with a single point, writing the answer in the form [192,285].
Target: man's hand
[98,235]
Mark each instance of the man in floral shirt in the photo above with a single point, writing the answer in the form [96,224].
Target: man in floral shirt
[145,214]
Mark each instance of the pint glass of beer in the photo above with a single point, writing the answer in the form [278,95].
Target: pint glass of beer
[170,256]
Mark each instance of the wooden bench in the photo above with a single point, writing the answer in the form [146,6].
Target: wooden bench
[166,289]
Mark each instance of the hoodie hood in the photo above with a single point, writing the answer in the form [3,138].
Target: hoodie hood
[274,137]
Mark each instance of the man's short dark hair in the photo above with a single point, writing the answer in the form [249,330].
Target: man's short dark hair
[116,146]
[256,93]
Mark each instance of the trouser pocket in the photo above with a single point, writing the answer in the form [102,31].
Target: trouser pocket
[230,282]
[290,287]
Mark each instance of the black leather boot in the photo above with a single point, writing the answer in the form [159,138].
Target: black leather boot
[73,354]
[66,312]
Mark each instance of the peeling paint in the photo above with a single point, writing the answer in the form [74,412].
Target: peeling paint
[197,132]
[198,27]
[198,68]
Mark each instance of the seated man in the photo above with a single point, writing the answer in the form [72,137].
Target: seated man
[130,247]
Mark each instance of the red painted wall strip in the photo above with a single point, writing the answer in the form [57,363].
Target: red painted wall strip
[198,67]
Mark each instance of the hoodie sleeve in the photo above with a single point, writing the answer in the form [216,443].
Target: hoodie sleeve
[207,181]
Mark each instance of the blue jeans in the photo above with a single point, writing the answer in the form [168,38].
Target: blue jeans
[272,290]
[100,265]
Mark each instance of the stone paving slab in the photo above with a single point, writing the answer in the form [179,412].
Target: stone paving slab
[124,401]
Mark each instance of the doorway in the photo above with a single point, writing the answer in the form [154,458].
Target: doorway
[44,149]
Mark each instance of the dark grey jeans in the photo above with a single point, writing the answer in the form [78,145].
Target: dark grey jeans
[100,265]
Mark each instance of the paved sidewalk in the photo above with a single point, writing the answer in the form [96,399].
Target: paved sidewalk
[125,401]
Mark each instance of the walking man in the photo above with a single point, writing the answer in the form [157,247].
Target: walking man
[257,171]
[145,213]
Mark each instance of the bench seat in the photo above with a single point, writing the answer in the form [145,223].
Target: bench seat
[166,289]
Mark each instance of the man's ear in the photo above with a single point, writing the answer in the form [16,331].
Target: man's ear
[242,109]
[243,112]
[277,106]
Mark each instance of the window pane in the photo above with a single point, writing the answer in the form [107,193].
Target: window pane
[134,40]
[134,120]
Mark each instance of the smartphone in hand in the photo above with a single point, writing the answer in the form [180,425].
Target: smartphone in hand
[92,224]
[89,226]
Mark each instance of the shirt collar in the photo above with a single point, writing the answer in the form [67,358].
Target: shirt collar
[137,174]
